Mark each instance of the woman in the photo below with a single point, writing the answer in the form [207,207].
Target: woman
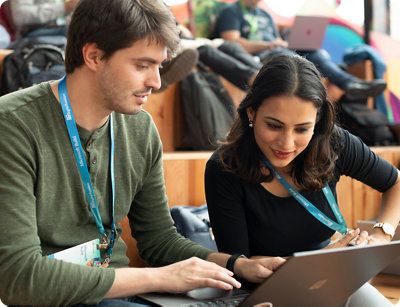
[286,129]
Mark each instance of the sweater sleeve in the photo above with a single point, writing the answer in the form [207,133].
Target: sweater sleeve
[151,223]
[27,276]
[30,12]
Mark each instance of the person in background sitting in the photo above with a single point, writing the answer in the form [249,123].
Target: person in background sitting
[33,18]
[246,23]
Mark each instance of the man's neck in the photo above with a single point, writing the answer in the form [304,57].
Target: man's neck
[85,106]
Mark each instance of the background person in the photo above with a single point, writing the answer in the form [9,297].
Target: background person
[244,22]
[113,55]
[286,125]
[41,17]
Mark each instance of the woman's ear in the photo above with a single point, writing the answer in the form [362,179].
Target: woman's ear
[250,114]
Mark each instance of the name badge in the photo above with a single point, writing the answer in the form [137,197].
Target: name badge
[85,254]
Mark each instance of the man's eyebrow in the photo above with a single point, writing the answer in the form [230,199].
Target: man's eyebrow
[146,59]
[282,123]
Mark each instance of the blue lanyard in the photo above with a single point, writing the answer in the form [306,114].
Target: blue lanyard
[339,227]
[83,169]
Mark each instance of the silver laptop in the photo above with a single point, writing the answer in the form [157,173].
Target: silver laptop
[315,278]
[393,267]
[307,32]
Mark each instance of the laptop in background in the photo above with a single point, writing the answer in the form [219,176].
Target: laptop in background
[315,278]
[393,267]
[307,32]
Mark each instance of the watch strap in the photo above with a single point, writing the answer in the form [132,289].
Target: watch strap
[231,261]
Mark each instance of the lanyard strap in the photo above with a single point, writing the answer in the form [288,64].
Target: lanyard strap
[251,19]
[320,216]
[83,169]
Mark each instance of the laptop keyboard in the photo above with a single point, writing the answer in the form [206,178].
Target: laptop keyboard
[227,301]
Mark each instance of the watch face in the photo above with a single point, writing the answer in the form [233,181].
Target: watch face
[388,228]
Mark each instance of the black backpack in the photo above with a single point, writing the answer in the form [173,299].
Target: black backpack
[207,107]
[31,64]
[370,125]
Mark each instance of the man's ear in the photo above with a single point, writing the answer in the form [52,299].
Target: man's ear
[92,55]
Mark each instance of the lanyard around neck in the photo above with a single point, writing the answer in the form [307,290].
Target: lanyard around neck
[339,227]
[251,19]
[83,169]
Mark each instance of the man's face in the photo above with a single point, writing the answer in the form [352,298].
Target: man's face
[129,75]
[251,3]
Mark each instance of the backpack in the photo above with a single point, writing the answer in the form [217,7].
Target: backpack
[207,107]
[369,124]
[31,64]
[194,223]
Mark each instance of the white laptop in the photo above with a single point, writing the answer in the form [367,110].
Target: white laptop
[316,278]
[307,32]
[393,267]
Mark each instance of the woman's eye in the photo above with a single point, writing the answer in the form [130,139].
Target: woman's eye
[272,126]
[302,130]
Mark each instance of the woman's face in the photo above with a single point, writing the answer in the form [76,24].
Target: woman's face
[283,127]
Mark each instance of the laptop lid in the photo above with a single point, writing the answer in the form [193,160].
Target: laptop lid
[313,278]
[394,266]
[308,32]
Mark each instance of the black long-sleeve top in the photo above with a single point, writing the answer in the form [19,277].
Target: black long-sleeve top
[248,219]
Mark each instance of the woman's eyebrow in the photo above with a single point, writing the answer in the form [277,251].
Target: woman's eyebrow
[282,123]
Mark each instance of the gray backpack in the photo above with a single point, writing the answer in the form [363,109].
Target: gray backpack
[207,107]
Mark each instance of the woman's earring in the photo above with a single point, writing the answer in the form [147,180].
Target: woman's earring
[251,125]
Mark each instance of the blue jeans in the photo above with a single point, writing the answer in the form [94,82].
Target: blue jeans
[133,301]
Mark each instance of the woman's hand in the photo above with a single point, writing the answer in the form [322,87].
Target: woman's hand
[354,237]
[257,269]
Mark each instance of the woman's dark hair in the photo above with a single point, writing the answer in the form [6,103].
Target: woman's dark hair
[289,75]
[118,24]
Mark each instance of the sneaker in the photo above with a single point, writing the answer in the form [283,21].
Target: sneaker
[177,68]
[355,90]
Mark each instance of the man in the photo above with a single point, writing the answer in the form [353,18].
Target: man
[40,17]
[79,154]
[244,22]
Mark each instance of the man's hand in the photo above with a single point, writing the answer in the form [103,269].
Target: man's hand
[195,273]
[257,269]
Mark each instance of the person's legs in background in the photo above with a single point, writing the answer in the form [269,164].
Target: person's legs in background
[177,68]
[354,87]
[241,72]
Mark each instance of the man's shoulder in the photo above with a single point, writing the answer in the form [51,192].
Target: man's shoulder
[20,99]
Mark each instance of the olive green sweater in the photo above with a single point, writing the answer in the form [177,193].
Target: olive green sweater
[44,208]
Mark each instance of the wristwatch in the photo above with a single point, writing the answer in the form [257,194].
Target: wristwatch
[232,259]
[387,228]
